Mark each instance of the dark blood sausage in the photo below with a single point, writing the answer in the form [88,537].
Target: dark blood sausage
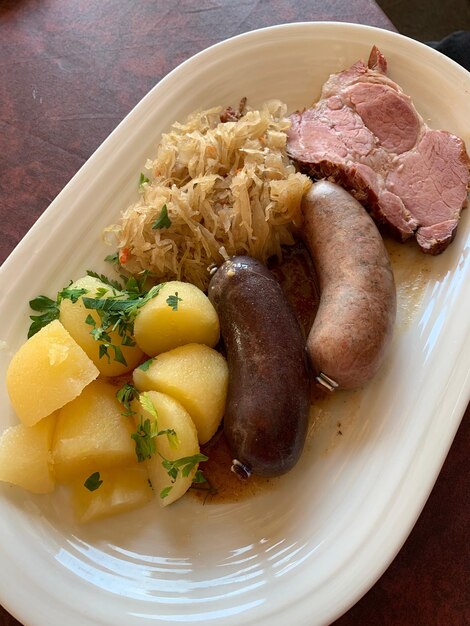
[354,323]
[268,395]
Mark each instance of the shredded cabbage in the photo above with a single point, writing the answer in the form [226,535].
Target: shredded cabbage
[227,187]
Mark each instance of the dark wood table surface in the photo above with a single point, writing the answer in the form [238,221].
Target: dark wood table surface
[69,72]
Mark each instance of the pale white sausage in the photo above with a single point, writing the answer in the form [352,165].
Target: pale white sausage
[356,315]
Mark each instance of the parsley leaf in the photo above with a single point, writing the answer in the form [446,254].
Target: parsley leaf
[93,482]
[145,365]
[199,477]
[144,437]
[70,294]
[172,301]
[162,221]
[171,436]
[184,465]
[42,303]
[89,320]
[104,279]
[201,483]
[164,492]
[143,179]
[118,355]
[125,395]
[147,404]
[49,309]
[134,286]
[112,258]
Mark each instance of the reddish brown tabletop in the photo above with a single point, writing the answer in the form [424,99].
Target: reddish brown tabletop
[69,72]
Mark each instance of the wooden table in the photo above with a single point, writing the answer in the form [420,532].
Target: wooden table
[69,72]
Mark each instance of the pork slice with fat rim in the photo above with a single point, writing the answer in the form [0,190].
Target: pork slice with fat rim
[365,134]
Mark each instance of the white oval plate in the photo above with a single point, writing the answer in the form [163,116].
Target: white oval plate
[307,549]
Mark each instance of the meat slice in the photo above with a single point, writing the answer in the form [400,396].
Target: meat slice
[365,134]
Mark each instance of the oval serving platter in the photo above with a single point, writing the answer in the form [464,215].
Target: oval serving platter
[312,544]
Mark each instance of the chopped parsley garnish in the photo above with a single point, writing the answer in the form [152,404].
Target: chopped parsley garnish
[112,258]
[134,286]
[199,477]
[147,404]
[145,365]
[145,439]
[184,465]
[143,179]
[116,305]
[104,279]
[201,483]
[162,221]
[172,301]
[93,482]
[49,309]
[165,492]
[125,395]
[117,313]
[70,294]
[147,430]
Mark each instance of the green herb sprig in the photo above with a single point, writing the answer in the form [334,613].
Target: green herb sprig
[126,395]
[49,309]
[93,482]
[117,313]
[146,435]
[143,179]
[173,300]
[148,431]
[116,305]
[162,221]
[114,284]
[112,258]
[146,365]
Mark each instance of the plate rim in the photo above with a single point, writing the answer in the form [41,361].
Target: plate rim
[462,375]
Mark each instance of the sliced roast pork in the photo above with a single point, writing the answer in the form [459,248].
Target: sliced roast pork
[365,134]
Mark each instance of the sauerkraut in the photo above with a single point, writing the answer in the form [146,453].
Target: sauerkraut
[215,189]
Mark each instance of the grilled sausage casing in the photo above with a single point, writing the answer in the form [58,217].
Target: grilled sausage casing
[265,422]
[354,323]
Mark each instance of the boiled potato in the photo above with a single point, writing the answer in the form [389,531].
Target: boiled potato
[92,434]
[25,456]
[73,316]
[170,414]
[196,376]
[180,314]
[48,371]
[122,489]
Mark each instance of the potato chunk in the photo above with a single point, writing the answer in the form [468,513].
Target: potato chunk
[25,456]
[92,434]
[197,377]
[122,489]
[170,415]
[48,371]
[180,314]
[73,316]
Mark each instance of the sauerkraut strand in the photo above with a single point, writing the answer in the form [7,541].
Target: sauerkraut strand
[222,185]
